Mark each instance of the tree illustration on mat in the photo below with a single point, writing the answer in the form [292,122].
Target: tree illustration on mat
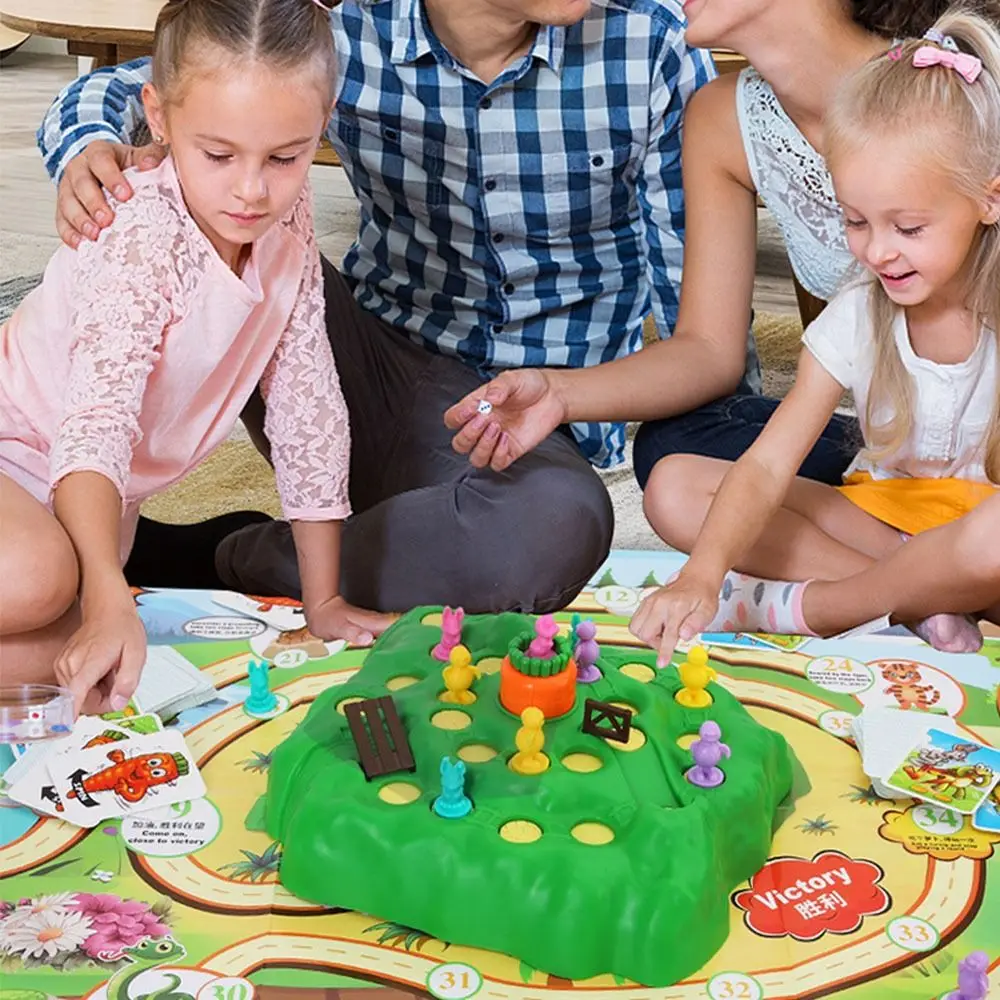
[254,867]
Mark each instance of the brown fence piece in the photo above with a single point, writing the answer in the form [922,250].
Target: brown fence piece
[606,721]
[379,736]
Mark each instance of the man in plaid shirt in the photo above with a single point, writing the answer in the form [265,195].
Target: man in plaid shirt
[518,168]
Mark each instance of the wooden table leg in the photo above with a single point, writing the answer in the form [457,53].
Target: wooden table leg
[103,55]
[107,54]
[126,53]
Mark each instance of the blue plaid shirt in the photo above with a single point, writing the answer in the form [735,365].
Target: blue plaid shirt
[533,221]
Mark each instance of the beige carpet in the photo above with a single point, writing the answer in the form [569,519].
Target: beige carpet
[779,339]
[234,477]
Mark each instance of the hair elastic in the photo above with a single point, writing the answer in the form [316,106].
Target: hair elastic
[945,41]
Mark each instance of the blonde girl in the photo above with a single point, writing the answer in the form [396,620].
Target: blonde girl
[913,144]
[133,359]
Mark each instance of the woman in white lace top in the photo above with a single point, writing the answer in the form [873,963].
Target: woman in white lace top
[754,133]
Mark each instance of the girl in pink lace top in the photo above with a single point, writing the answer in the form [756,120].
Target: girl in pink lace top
[134,358]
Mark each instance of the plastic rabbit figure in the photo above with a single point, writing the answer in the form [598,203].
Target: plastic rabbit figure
[451,633]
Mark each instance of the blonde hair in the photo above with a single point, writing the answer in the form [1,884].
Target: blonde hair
[285,34]
[958,129]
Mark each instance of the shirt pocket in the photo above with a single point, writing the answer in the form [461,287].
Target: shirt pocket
[405,170]
[587,190]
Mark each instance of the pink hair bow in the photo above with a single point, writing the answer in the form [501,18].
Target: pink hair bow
[961,62]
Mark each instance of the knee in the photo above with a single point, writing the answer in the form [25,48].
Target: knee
[39,580]
[572,517]
[672,497]
[553,532]
[977,547]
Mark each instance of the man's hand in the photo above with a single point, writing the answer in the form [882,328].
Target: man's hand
[526,407]
[679,610]
[82,210]
[102,660]
[336,619]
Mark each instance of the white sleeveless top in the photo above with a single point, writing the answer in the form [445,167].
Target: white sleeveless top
[795,185]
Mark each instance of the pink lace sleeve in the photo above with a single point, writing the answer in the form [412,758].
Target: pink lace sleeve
[122,292]
[306,421]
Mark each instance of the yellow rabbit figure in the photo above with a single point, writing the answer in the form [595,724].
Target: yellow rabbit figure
[696,675]
[530,739]
[458,677]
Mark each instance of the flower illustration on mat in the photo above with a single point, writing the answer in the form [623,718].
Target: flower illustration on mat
[117,924]
[45,934]
[25,909]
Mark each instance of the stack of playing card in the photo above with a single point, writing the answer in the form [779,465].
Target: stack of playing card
[104,769]
[930,758]
[883,737]
[169,684]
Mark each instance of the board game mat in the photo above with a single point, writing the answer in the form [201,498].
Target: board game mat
[862,897]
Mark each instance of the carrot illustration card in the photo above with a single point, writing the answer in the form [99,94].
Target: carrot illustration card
[128,776]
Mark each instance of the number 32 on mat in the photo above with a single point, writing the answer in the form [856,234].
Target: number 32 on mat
[734,986]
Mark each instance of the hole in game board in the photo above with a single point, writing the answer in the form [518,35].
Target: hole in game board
[341,705]
[402,681]
[638,672]
[636,740]
[595,834]
[476,753]
[582,763]
[399,793]
[451,718]
[520,831]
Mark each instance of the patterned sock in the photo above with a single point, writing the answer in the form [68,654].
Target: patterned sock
[750,604]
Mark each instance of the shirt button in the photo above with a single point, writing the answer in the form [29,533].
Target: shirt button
[490,185]
[498,237]
[598,161]
[486,103]
[509,289]
[497,328]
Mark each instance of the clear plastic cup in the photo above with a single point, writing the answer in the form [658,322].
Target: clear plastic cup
[30,713]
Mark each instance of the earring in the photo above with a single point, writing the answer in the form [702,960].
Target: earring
[158,139]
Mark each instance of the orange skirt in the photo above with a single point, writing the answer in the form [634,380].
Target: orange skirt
[915,505]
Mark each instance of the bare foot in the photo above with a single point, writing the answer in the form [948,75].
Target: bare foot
[950,633]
